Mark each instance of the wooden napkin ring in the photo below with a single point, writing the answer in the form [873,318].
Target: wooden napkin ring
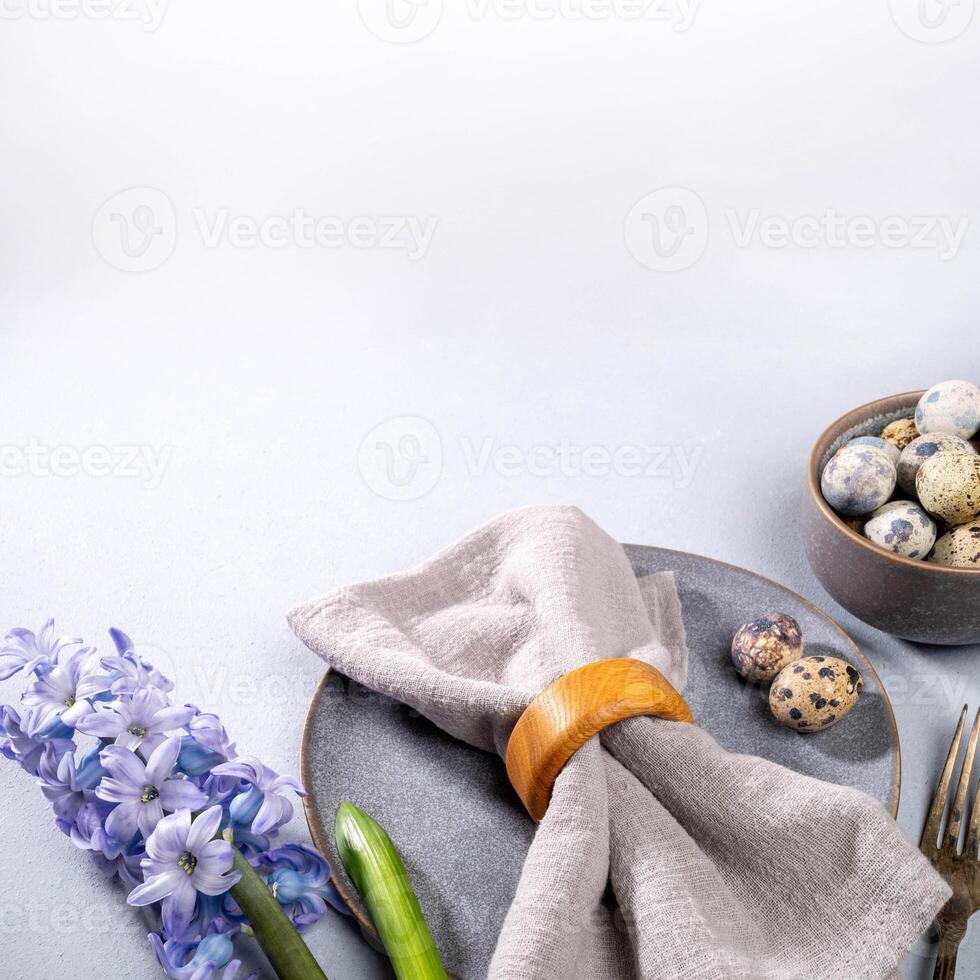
[570,710]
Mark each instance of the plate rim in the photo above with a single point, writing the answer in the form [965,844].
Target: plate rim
[319,834]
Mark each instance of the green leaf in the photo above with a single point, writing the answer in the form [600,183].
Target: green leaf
[377,871]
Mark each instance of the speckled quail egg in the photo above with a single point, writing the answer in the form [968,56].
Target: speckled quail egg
[889,447]
[959,547]
[948,486]
[902,527]
[762,648]
[950,406]
[814,693]
[900,432]
[858,480]
[921,449]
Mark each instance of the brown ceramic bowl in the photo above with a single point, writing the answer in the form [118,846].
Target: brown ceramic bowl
[913,599]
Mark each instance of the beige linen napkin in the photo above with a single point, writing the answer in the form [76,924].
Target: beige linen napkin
[721,865]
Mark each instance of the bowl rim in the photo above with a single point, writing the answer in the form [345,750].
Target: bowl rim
[833,518]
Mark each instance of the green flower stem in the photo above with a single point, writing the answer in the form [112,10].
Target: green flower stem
[289,955]
[376,869]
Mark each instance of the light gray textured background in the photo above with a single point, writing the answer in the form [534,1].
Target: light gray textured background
[258,374]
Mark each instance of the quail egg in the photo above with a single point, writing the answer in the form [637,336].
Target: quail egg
[858,480]
[889,447]
[814,693]
[948,486]
[959,547]
[902,527]
[950,406]
[922,448]
[762,648]
[900,432]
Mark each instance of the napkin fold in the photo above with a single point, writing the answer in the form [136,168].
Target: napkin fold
[720,865]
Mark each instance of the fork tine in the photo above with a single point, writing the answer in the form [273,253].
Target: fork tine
[972,847]
[959,802]
[930,835]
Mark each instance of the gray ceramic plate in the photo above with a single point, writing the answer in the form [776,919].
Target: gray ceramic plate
[460,828]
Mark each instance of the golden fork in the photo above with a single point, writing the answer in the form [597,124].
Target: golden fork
[960,869]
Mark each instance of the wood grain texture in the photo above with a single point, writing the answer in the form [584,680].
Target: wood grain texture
[570,710]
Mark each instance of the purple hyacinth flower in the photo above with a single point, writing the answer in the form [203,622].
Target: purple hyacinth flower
[141,722]
[132,671]
[88,830]
[144,791]
[207,746]
[300,880]
[111,857]
[125,865]
[210,911]
[262,804]
[248,842]
[90,768]
[24,748]
[209,732]
[182,859]
[59,784]
[24,650]
[198,960]
[196,760]
[63,694]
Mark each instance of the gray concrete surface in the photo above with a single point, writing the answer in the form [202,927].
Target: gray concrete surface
[566,330]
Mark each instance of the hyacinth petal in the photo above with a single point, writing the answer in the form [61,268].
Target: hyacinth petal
[90,769]
[42,716]
[181,794]
[169,840]
[288,782]
[10,663]
[216,856]
[169,719]
[79,710]
[123,764]
[178,906]
[156,888]
[215,884]
[101,724]
[245,806]
[66,768]
[123,822]
[209,732]
[150,867]
[203,829]
[118,791]
[161,762]
[121,641]
[91,684]
[240,769]
[149,743]
[274,812]
[127,740]
[149,815]
[214,861]
[195,759]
